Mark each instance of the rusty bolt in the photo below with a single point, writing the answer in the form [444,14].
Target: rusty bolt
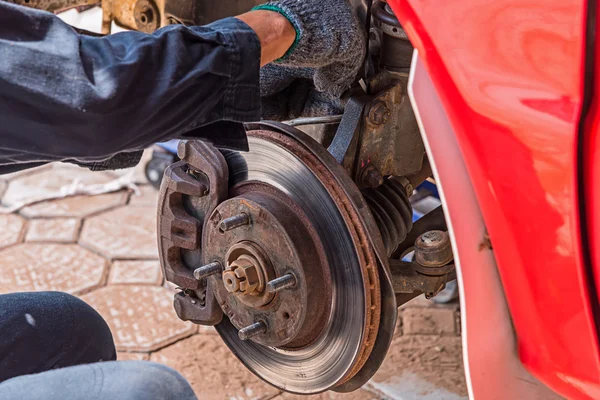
[207,270]
[281,283]
[370,177]
[379,113]
[252,330]
[233,222]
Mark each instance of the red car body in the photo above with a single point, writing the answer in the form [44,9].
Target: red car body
[515,82]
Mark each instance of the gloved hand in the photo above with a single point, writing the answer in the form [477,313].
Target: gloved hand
[329,48]
[291,97]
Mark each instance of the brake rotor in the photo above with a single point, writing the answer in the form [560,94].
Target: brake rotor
[278,249]
[301,223]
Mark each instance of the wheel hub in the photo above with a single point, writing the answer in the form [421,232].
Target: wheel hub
[274,242]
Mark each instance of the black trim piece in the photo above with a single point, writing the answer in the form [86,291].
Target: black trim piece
[589,80]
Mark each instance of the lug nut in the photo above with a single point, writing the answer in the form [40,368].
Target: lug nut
[207,270]
[233,222]
[283,282]
[252,330]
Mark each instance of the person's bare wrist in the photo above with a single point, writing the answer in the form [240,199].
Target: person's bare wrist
[275,33]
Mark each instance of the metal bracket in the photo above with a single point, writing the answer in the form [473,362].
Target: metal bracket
[190,191]
[347,137]
[406,279]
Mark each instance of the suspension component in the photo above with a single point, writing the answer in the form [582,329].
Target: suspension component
[433,249]
[432,266]
[395,48]
[392,211]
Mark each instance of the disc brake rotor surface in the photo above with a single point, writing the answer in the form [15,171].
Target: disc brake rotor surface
[349,330]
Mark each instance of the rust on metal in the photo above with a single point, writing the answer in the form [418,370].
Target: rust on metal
[360,236]
[248,270]
[378,113]
[433,249]
[370,177]
[186,198]
[236,221]
[280,241]
[145,15]
[390,140]
[253,330]
[207,270]
[406,280]
[281,283]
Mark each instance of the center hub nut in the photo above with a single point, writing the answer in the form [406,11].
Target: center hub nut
[242,276]
[247,273]
[275,287]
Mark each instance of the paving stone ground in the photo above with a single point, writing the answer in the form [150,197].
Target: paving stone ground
[103,249]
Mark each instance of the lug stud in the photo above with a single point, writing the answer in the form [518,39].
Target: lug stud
[207,270]
[283,282]
[233,222]
[252,330]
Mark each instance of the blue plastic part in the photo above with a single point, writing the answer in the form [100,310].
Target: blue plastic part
[416,215]
[430,187]
[170,146]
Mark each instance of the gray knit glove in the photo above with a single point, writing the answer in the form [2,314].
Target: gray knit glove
[330,44]
[299,99]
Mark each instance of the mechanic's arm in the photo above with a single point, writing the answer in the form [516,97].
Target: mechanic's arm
[70,96]
[67,95]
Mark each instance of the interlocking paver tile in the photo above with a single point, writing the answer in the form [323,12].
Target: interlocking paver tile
[421,301]
[141,318]
[76,206]
[429,321]
[135,272]
[212,370]
[433,359]
[125,356]
[64,230]
[49,181]
[148,197]
[27,185]
[127,233]
[11,229]
[64,267]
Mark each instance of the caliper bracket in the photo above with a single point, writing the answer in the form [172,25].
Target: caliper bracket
[191,189]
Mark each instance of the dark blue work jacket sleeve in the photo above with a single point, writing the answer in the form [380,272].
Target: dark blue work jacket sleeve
[67,96]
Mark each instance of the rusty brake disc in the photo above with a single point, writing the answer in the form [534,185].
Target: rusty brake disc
[348,333]
[286,259]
